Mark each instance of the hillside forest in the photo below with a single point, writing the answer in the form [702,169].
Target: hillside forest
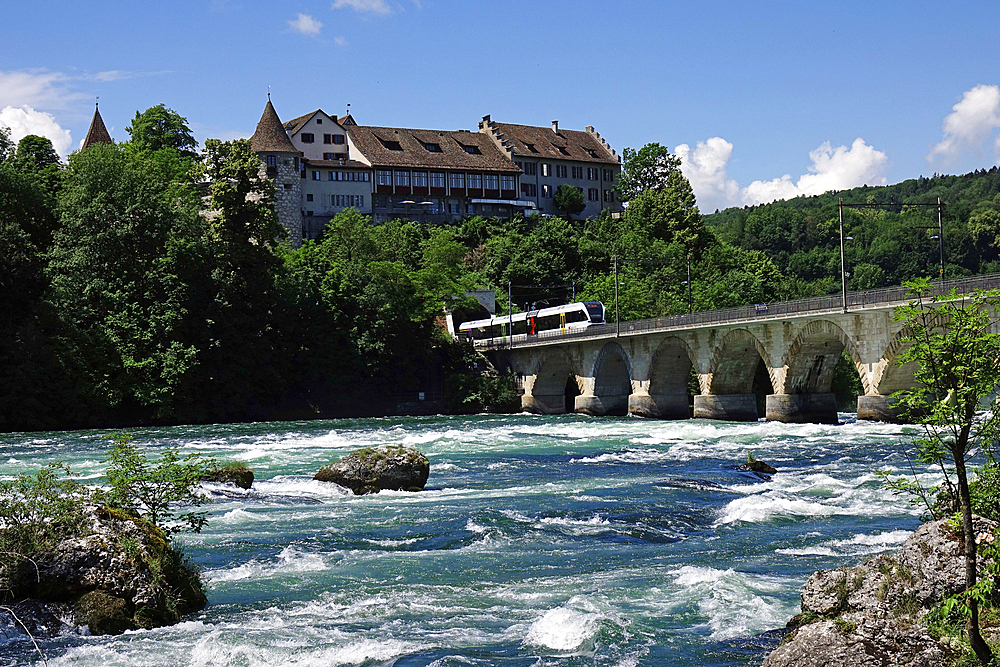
[149,282]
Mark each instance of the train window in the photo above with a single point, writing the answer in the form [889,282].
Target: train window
[520,327]
[596,310]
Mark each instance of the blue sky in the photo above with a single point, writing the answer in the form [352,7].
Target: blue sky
[761,100]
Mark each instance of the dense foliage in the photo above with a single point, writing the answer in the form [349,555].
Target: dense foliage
[145,283]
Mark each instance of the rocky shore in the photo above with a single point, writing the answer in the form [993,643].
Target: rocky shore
[873,614]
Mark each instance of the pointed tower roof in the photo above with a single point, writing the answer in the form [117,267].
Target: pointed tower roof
[98,133]
[270,135]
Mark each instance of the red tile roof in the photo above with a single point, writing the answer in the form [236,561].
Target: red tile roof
[402,147]
[561,145]
[270,136]
[98,133]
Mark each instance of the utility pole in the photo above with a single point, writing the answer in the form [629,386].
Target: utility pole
[843,268]
[940,238]
[510,315]
[618,324]
[689,285]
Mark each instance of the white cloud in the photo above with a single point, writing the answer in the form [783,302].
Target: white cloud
[306,25]
[37,89]
[705,168]
[340,41]
[970,124]
[24,120]
[373,6]
[831,169]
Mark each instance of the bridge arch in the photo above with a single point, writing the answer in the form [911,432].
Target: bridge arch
[813,355]
[555,384]
[612,374]
[671,367]
[890,376]
[734,363]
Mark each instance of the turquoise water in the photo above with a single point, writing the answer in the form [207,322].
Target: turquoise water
[540,540]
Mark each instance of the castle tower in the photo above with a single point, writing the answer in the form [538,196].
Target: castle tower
[98,133]
[279,161]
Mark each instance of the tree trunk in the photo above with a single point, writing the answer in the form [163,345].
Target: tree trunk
[979,645]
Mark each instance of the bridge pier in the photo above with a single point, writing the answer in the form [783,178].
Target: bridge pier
[660,406]
[801,408]
[878,408]
[599,405]
[727,407]
[544,405]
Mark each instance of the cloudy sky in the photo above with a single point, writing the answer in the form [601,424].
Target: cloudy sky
[762,100]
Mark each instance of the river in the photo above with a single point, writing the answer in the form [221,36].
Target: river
[540,540]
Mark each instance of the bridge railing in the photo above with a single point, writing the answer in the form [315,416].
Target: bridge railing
[856,300]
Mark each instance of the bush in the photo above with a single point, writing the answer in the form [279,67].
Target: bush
[156,490]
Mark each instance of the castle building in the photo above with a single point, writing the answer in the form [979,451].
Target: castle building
[280,161]
[436,175]
[322,164]
[550,157]
[331,179]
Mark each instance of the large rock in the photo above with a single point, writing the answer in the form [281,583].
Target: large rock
[870,614]
[120,575]
[371,470]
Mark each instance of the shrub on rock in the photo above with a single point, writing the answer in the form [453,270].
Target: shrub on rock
[370,470]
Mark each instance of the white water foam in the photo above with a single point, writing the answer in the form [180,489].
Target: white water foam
[564,629]
[289,561]
[859,545]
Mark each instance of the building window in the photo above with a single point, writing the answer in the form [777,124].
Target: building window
[272,161]
[591,174]
[316,175]
[309,212]
[507,182]
[331,176]
[607,175]
[309,197]
[593,194]
[546,190]
[380,202]
[475,181]
[383,177]
[546,169]
[420,179]
[492,181]
[531,147]
[578,173]
[287,186]
[338,138]
[433,148]
[607,195]
[530,168]
[560,171]
[403,179]
[473,150]
[458,181]
[437,179]
[319,121]
[307,138]
[327,138]
[529,190]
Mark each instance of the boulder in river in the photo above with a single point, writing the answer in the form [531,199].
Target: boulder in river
[370,470]
[119,573]
[230,473]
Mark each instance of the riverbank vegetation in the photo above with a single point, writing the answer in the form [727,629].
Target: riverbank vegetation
[145,283]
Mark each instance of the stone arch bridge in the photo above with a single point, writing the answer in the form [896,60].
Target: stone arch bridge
[646,367]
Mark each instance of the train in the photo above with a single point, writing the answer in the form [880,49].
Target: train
[558,319]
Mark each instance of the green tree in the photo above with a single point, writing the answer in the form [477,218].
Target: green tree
[156,490]
[35,157]
[7,148]
[569,200]
[649,168]
[158,127]
[957,366]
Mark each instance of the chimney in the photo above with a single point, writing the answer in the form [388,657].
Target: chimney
[555,126]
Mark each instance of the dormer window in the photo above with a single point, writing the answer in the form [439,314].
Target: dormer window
[590,152]
[531,147]
[433,148]
[472,150]
[272,161]
[390,145]
[562,149]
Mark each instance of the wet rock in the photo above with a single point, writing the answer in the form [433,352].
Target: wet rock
[371,470]
[237,475]
[758,467]
[870,614]
[122,574]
